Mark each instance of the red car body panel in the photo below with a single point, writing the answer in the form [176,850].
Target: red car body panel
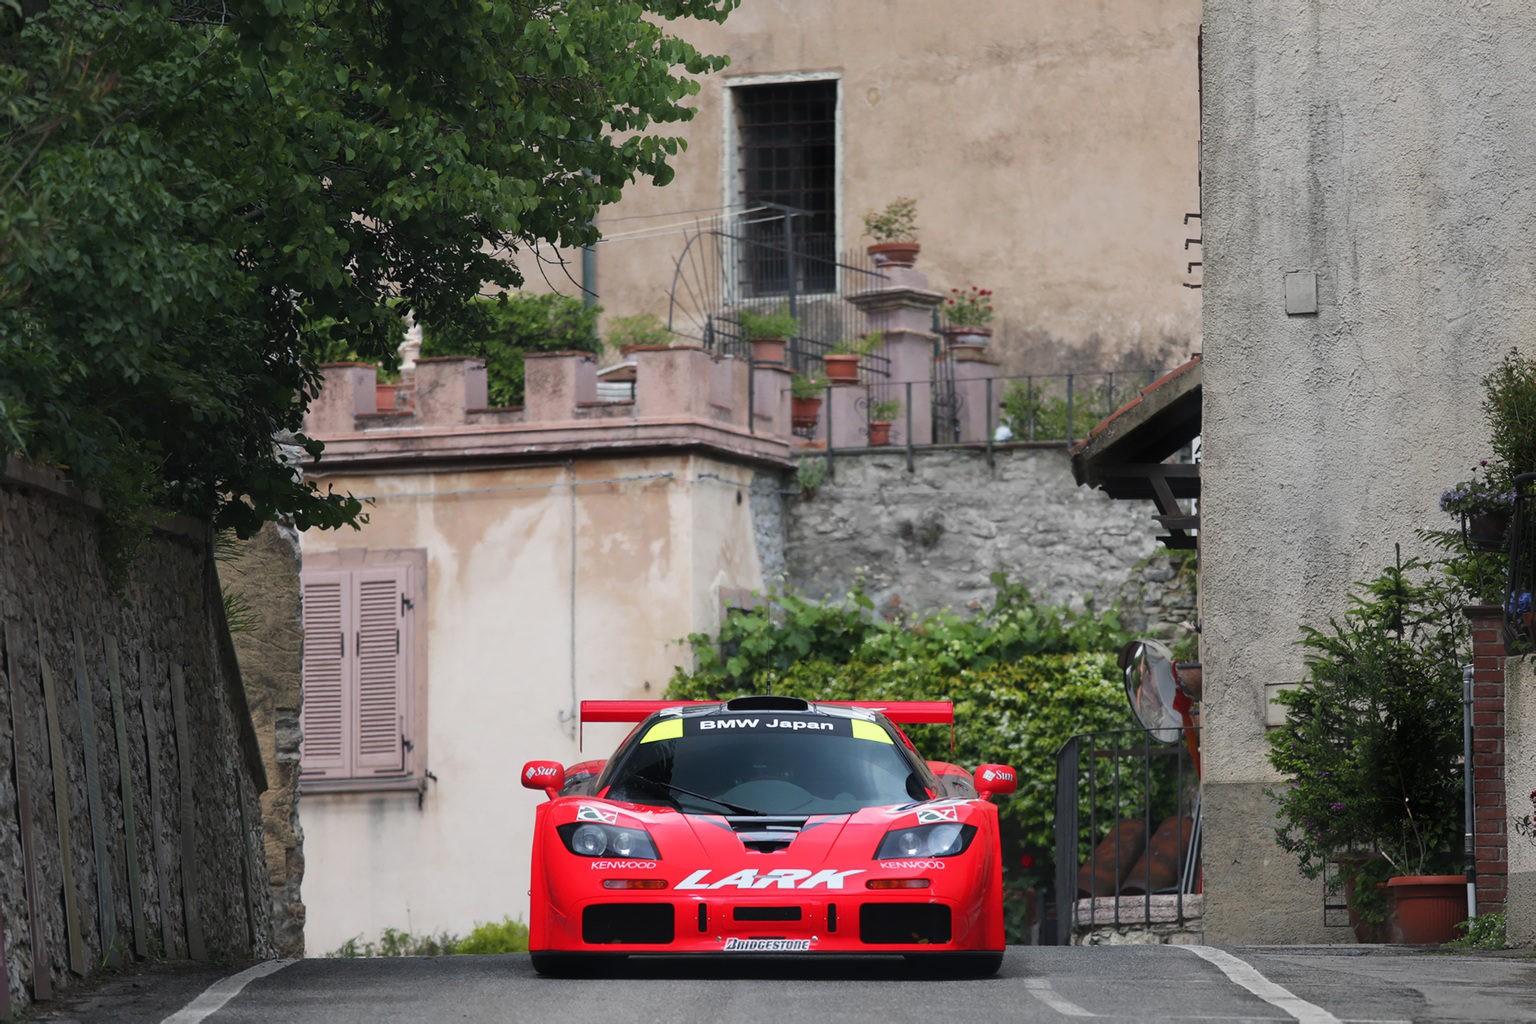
[708,891]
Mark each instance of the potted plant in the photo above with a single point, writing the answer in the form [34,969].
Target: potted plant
[1372,748]
[805,391]
[769,333]
[842,362]
[630,334]
[894,230]
[1485,503]
[882,415]
[968,313]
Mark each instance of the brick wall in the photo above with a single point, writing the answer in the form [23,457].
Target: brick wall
[1492,841]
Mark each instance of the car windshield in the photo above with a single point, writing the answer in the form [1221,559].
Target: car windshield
[769,764]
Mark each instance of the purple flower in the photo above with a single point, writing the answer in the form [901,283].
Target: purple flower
[1338,807]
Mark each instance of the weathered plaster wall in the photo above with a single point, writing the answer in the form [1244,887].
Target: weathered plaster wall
[1053,152]
[509,603]
[1387,147]
[932,538]
[201,890]
[263,574]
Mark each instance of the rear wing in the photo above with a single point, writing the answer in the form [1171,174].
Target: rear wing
[900,712]
[903,712]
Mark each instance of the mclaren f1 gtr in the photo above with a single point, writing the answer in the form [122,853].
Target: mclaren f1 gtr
[766,825]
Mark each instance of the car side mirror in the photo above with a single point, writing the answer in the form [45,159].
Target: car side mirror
[995,780]
[546,775]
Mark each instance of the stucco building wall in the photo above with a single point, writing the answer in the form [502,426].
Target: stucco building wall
[1387,148]
[1053,151]
[655,539]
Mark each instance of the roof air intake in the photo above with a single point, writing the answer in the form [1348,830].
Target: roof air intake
[767,703]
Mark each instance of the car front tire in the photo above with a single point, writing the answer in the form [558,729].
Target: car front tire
[957,965]
[564,965]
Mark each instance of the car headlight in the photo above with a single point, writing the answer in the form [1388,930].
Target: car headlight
[945,839]
[588,839]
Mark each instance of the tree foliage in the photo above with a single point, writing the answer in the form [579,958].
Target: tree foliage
[199,199]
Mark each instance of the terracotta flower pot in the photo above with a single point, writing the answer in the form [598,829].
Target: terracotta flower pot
[768,350]
[1426,908]
[385,394]
[804,412]
[894,254]
[966,336]
[841,369]
[880,432]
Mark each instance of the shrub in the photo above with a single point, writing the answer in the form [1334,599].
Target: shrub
[510,936]
[896,223]
[500,330]
[778,324]
[640,329]
[395,942]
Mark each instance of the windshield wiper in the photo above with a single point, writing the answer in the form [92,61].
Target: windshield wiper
[737,808]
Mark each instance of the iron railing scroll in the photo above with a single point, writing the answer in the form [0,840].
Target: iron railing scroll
[1519,632]
[1127,832]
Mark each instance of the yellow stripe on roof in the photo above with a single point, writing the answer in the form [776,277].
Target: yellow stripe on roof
[866,731]
[664,731]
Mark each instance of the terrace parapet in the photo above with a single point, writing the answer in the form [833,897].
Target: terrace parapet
[683,397]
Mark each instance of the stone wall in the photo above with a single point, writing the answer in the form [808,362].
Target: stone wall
[263,578]
[1160,598]
[931,538]
[104,694]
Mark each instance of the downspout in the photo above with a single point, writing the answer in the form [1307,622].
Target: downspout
[570,717]
[1469,840]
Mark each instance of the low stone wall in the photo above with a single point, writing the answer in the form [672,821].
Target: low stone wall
[1157,921]
[931,538]
[129,772]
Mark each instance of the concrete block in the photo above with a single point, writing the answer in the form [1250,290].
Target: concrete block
[350,389]
[447,387]
[555,383]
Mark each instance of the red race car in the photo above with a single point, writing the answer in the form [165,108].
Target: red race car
[767,825]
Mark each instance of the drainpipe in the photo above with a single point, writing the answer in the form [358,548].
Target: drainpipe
[1469,839]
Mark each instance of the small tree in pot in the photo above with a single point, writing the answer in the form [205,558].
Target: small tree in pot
[805,391]
[1372,743]
[894,230]
[882,415]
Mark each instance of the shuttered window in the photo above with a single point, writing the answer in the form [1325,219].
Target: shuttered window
[358,637]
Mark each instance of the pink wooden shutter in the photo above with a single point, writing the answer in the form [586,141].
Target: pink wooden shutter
[382,647]
[327,668]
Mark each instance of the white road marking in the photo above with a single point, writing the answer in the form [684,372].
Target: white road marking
[222,991]
[1242,973]
[1041,989]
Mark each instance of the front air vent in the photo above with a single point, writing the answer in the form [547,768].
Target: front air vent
[882,924]
[627,923]
[766,913]
[767,703]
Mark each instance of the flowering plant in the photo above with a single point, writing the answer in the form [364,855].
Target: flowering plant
[1525,827]
[896,223]
[1490,492]
[969,308]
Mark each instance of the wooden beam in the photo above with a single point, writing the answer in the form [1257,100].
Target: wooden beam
[130,817]
[148,678]
[189,900]
[42,968]
[106,909]
[61,811]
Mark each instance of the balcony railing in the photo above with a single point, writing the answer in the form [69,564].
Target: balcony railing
[1127,833]
[1519,632]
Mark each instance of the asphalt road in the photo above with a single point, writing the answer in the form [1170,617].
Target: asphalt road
[1318,985]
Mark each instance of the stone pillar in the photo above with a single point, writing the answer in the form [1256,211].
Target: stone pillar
[972,370]
[555,383]
[263,579]
[447,387]
[770,401]
[350,389]
[672,382]
[903,312]
[1488,803]
[847,410]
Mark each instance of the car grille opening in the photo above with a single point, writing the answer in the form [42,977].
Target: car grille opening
[611,923]
[766,913]
[904,923]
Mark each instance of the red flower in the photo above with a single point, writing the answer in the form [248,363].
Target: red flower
[1027,861]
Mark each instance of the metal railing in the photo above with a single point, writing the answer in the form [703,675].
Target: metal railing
[1127,838]
[1057,409]
[1519,612]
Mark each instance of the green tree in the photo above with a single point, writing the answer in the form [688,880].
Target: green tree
[198,200]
